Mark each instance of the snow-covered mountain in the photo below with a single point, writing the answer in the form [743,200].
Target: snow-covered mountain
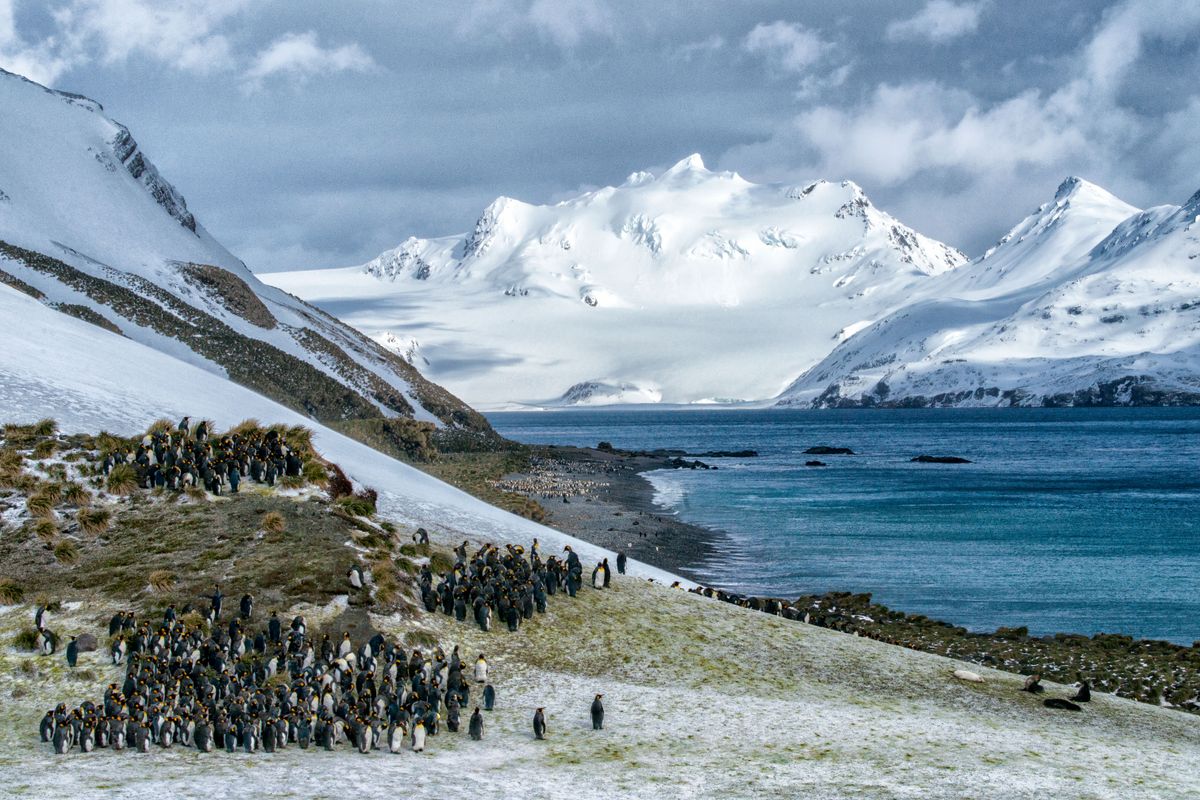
[90,228]
[1086,302]
[689,286]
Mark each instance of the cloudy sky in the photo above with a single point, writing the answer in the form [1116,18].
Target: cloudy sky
[307,133]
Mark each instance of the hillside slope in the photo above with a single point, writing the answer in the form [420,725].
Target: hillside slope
[689,286]
[89,227]
[703,700]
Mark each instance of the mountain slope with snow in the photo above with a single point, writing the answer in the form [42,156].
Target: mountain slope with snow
[1086,302]
[685,287]
[89,227]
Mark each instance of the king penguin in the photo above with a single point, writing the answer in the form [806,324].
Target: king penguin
[539,724]
[597,713]
[476,726]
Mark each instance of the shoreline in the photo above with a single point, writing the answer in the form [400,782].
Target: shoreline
[603,498]
[609,502]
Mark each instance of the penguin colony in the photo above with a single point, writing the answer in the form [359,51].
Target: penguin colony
[226,687]
[179,459]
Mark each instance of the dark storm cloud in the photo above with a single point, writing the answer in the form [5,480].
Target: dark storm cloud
[309,134]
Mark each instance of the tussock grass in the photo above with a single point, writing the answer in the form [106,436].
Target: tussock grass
[46,529]
[107,444]
[45,448]
[65,552]
[93,521]
[314,472]
[45,427]
[161,580]
[162,425]
[196,493]
[273,522]
[122,480]
[40,505]
[11,459]
[292,481]
[25,639]
[356,505]
[76,494]
[11,592]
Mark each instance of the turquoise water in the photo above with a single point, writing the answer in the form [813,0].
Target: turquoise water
[1080,520]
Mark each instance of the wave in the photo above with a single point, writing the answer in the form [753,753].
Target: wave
[668,490]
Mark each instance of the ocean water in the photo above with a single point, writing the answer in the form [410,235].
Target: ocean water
[1074,520]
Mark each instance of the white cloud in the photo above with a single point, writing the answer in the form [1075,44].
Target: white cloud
[998,155]
[182,33]
[787,45]
[939,21]
[40,61]
[300,57]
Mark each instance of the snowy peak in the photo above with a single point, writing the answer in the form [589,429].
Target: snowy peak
[693,163]
[678,288]
[1047,242]
[1088,301]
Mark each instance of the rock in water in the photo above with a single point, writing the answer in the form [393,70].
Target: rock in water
[815,464]
[825,450]
[939,460]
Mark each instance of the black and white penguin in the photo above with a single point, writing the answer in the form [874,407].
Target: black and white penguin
[355,576]
[215,603]
[475,728]
[47,726]
[621,559]
[247,606]
[481,669]
[62,739]
[539,724]
[141,739]
[274,628]
[489,698]
[597,713]
[418,737]
[72,653]
[202,737]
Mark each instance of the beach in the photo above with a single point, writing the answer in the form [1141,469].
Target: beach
[601,497]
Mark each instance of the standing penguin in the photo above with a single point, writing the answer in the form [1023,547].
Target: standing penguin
[489,698]
[539,724]
[247,606]
[215,603]
[452,716]
[476,726]
[598,577]
[418,737]
[72,653]
[274,629]
[481,669]
[621,558]
[202,737]
[597,714]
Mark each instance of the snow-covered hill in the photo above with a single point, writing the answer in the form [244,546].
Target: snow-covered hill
[1088,301]
[89,227]
[689,286]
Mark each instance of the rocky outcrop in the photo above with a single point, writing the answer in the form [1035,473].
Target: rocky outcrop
[125,148]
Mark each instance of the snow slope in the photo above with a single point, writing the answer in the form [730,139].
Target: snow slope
[685,287]
[89,226]
[90,380]
[1086,302]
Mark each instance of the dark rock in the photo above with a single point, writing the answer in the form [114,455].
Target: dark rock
[86,642]
[939,460]
[825,450]
[815,464]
